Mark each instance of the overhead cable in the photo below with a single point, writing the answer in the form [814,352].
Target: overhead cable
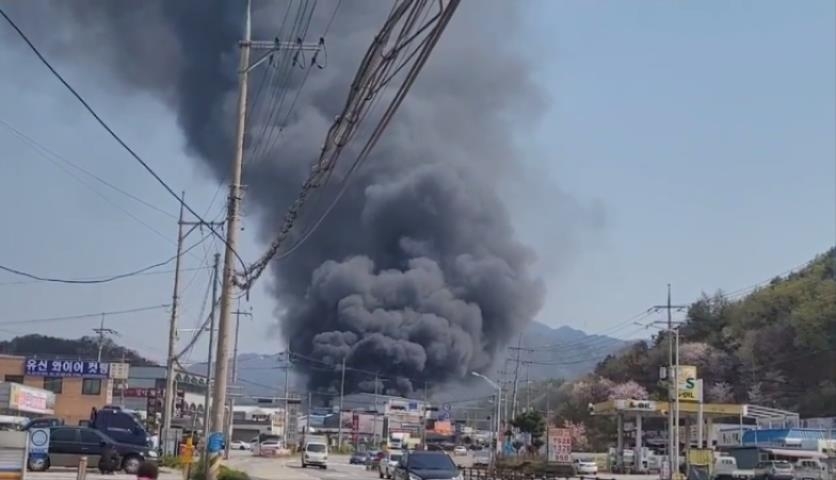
[88,281]
[113,134]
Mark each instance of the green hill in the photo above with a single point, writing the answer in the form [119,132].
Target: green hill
[775,346]
[82,348]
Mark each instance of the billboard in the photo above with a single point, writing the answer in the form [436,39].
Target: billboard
[688,389]
[29,399]
[560,444]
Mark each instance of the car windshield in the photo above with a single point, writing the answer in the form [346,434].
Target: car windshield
[394,458]
[430,462]
[782,465]
[315,447]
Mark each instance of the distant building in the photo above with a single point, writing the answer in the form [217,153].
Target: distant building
[78,385]
[145,389]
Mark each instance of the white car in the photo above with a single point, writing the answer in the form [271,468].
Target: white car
[481,458]
[460,451]
[269,448]
[586,466]
[239,445]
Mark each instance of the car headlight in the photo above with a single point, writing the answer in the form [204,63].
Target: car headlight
[458,477]
[412,476]
[151,454]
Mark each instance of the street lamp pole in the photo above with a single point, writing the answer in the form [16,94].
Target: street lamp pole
[498,409]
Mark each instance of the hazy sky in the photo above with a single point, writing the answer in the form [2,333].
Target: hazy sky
[688,142]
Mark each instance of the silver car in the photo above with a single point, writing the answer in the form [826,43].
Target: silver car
[389,463]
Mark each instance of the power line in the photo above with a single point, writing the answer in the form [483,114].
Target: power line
[85,315]
[46,153]
[108,279]
[368,82]
[155,272]
[112,133]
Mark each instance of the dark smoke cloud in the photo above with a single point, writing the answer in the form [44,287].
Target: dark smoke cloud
[417,273]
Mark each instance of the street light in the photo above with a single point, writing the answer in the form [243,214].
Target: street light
[498,408]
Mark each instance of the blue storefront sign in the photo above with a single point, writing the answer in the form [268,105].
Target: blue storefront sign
[66,368]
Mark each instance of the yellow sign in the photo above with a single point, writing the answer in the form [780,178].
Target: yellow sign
[688,388]
[700,457]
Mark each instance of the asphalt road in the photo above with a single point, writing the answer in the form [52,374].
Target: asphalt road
[290,468]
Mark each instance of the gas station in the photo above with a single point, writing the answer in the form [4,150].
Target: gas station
[692,411]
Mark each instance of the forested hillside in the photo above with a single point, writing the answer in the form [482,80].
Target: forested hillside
[774,347]
[82,348]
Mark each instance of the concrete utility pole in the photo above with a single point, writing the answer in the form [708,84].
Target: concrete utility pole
[168,394]
[229,418]
[286,396]
[233,207]
[673,397]
[206,398]
[102,331]
[340,412]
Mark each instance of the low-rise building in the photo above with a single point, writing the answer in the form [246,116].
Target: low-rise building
[78,385]
[145,389]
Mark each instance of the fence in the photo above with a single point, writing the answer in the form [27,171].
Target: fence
[550,472]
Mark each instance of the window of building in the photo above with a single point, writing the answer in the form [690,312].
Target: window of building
[91,386]
[14,379]
[54,384]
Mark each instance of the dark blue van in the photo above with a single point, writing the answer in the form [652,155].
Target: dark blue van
[122,425]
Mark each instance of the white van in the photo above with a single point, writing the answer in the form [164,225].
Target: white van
[315,453]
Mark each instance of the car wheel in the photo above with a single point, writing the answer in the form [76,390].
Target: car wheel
[131,464]
[38,464]
[303,465]
[380,473]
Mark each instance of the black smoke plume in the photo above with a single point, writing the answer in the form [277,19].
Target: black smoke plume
[416,275]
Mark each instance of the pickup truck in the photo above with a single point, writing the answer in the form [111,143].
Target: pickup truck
[809,469]
[774,470]
[725,468]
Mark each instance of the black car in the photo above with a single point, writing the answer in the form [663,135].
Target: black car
[68,444]
[358,458]
[425,465]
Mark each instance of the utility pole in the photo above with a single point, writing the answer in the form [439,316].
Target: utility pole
[340,412]
[229,418]
[424,417]
[286,395]
[673,395]
[233,207]
[519,348]
[548,417]
[102,331]
[168,398]
[206,398]
[308,416]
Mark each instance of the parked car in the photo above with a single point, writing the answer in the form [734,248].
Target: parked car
[586,466]
[425,465]
[459,450]
[358,458]
[774,470]
[389,463]
[481,458]
[68,444]
[240,445]
[725,468]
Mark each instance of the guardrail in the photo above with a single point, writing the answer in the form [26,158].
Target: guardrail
[554,472]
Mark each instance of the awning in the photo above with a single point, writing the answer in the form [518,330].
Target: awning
[790,452]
